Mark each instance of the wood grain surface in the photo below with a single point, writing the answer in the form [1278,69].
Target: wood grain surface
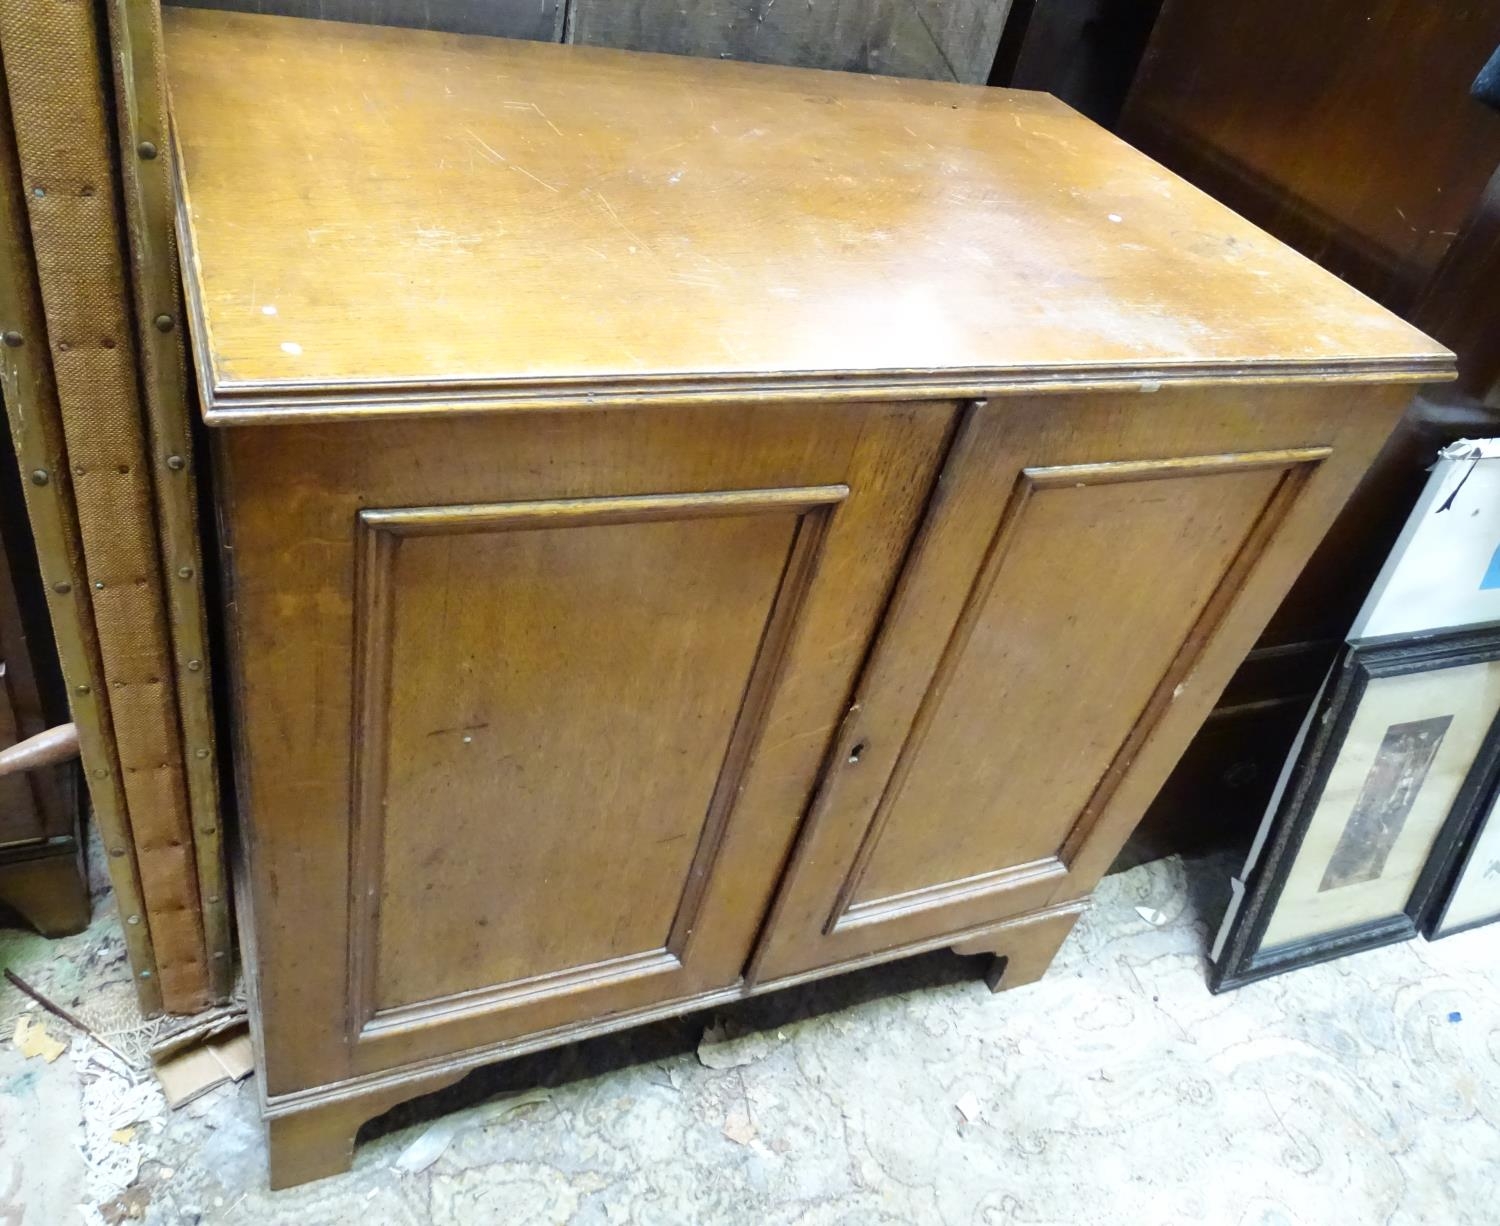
[622,614]
[1347,129]
[1090,573]
[553,720]
[374,212]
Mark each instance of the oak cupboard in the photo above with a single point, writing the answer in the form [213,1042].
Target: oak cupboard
[692,527]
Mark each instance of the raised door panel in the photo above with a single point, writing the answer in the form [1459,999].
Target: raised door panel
[557,699]
[1086,582]
[530,706]
[1057,649]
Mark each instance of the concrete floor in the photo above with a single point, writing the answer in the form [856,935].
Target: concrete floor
[1116,1090]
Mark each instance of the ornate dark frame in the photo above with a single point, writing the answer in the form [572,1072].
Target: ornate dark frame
[1243,960]
[1486,778]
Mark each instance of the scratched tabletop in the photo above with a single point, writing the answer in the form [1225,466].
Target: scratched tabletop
[370,208]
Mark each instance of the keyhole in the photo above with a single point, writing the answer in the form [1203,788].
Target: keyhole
[857,752]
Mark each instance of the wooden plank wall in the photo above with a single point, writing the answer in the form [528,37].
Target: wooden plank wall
[942,40]
[541,20]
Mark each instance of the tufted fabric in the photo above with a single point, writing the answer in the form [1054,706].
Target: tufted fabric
[138,59]
[52,64]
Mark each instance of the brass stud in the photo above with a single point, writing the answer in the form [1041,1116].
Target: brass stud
[98,585]
[176,463]
[213,898]
[132,919]
[13,339]
[184,572]
[165,323]
[83,689]
[40,476]
[194,665]
[145,974]
[146,149]
[63,588]
[200,753]
[208,830]
[103,773]
[117,852]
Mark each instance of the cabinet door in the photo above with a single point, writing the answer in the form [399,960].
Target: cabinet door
[531,706]
[1090,573]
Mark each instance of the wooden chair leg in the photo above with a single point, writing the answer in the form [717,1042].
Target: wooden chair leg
[49,891]
[317,1141]
[1023,949]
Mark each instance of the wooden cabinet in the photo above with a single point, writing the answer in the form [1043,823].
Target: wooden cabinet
[670,553]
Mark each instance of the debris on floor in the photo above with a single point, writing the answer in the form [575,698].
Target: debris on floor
[1345,1092]
[739,1127]
[195,1070]
[434,1141]
[117,1103]
[726,1044]
[32,1040]
[179,1033]
[59,1012]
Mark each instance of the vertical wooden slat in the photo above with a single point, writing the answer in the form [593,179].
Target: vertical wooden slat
[53,72]
[141,110]
[31,405]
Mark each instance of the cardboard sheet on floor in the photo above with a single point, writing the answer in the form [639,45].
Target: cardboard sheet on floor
[196,1071]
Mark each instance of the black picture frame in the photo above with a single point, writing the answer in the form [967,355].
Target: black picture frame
[1481,800]
[1242,960]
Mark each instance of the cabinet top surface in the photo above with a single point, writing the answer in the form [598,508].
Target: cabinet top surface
[376,218]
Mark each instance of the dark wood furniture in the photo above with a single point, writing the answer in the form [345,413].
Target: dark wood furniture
[691,527]
[42,877]
[1085,52]
[1349,132]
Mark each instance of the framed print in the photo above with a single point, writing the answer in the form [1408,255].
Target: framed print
[1402,741]
[1444,571]
[1471,896]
